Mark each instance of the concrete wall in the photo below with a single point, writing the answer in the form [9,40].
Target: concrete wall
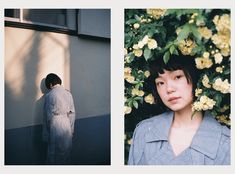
[84,66]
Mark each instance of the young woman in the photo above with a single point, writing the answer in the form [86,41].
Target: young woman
[177,137]
[59,122]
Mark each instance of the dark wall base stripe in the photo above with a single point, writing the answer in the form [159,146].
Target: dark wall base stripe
[91,143]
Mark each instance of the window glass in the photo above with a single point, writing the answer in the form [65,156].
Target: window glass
[13,13]
[46,16]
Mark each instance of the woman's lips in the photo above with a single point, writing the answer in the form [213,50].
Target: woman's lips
[173,99]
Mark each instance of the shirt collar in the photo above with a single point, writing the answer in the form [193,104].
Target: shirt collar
[208,136]
[206,139]
[160,127]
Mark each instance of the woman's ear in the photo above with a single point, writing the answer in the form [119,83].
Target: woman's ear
[50,85]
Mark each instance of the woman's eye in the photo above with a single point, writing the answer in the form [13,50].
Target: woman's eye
[160,83]
[178,77]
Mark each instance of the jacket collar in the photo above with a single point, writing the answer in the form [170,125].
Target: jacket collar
[207,137]
[160,127]
[206,140]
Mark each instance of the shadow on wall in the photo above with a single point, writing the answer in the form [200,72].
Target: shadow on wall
[20,145]
[23,144]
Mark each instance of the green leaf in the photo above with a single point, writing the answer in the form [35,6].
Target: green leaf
[168,45]
[176,52]
[218,99]
[166,57]
[138,98]
[196,34]
[147,53]
[135,104]
[131,21]
[184,32]
[226,72]
[172,49]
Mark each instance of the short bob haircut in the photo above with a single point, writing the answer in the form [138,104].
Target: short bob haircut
[52,79]
[176,62]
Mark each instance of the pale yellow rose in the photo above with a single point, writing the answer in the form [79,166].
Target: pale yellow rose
[136,26]
[205,32]
[152,44]
[127,71]
[145,39]
[127,59]
[197,106]
[219,69]
[198,92]
[140,93]
[141,44]
[194,15]
[136,92]
[223,36]
[178,30]
[202,62]
[218,58]
[206,103]
[186,46]
[223,22]
[129,141]
[125,51]
[223,119]
[127,109]
[191,21]
[225,51]
[205,81]
[147,74]
[138,53]
[149,99]
[143,20]
[156,13]
[222,86]
[206,54]
[130,79]
[135,47]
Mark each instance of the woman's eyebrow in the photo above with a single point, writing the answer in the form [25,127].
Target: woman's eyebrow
[159,77]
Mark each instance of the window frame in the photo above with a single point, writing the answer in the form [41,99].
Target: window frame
[21,23]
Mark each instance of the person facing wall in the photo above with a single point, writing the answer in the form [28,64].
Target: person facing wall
[59,121]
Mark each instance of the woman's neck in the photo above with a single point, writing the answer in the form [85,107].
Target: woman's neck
[184,118]
[55,86]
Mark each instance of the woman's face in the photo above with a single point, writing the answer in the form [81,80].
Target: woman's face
[174,90]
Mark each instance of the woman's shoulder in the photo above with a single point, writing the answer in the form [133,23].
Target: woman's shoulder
[225,140]
[226,132]
[152,124]
[150,121]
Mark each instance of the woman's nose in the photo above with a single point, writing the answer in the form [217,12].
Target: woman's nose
[170,87]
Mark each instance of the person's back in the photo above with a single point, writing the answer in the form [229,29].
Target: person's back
[60,118]
[62,100]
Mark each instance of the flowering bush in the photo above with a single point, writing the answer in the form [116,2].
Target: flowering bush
[203,34]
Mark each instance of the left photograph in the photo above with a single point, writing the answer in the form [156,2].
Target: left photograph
[57,87]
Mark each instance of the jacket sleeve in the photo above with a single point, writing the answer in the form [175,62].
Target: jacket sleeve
[226,146]
[72,114]
[137,146]
[224,151]
[45,126]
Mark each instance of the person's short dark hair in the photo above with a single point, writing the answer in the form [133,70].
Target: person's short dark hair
[176,62]
[52,79]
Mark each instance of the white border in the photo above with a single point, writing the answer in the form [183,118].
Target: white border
[117,84]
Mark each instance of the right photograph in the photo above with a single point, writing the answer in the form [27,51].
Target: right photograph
[177,86]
